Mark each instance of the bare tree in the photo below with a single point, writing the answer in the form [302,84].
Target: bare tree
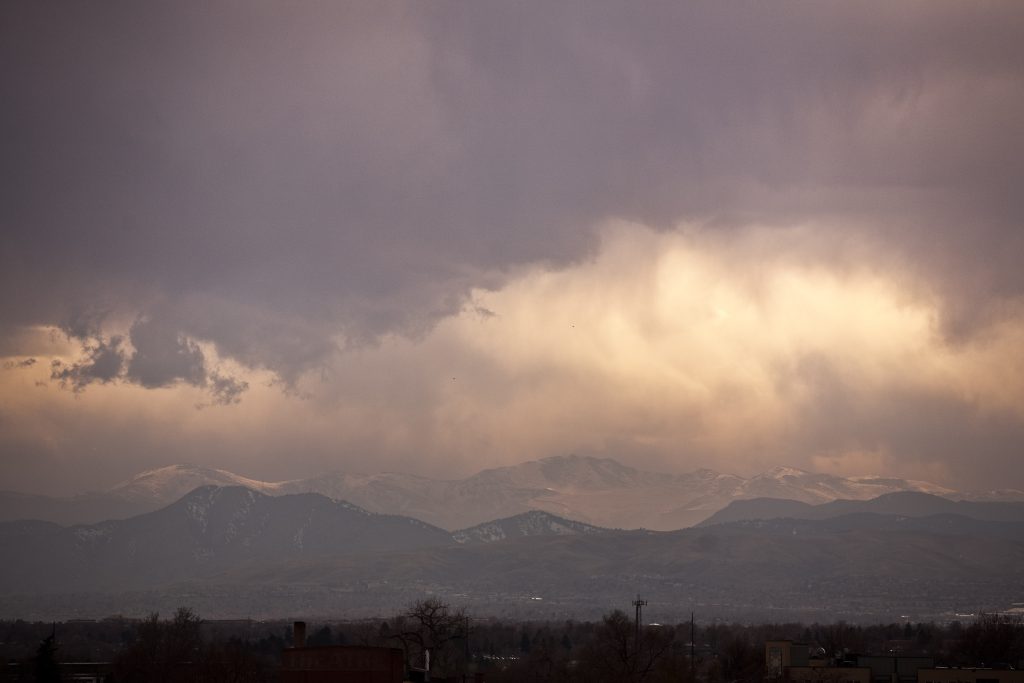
[173,651]
[163,651]
[993,639]
[616,654]
[432,626]
[45,663]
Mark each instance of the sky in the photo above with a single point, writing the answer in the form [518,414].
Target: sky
[434,237]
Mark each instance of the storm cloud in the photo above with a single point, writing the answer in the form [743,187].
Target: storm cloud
[210,199]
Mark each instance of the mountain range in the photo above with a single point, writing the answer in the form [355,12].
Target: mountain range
[233,551]
[213,529]
[596,491]
[903,504]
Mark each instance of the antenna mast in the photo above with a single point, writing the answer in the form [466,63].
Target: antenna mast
[639,605]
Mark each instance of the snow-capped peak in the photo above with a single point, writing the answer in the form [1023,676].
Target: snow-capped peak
[783,472]
[169,483]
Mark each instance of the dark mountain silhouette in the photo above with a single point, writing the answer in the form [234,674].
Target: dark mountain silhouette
[864,566]
[532,523]
[235,551]
[903,503]
[209,530]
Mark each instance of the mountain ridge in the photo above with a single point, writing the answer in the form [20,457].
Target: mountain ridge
[210,529]
[901,503]
[598,491]
[231,549]
[531,523]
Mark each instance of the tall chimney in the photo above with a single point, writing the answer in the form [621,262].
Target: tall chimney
[299,634]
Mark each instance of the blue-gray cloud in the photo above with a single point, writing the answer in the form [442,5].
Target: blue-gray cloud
[159,356]
[102,363]
[357,173]
[24,363]
[275,187]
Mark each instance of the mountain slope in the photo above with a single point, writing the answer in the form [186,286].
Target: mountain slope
[209,530]
[905,504]
[230,551]
[860,567]
[532,523]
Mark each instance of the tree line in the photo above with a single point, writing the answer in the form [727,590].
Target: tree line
[185,648]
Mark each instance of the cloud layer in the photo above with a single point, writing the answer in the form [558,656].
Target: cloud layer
[205,200]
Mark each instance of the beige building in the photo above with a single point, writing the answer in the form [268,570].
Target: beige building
[827,674]
[793,662]
[780,655]
[947,675]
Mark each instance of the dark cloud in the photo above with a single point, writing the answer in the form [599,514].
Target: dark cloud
[356,173]
[83,322]
[283,188]
[24,363]
[154,355]
[225,390]
[164,356]
[103,360]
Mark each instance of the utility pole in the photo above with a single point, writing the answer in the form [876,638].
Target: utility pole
[693,659]
[465,666]
[639,605]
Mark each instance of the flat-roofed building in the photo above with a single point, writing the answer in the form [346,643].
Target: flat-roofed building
[339,663]
[786,660]
[958,675]
[781,654]
[894,668]
[827,674]
[342,664]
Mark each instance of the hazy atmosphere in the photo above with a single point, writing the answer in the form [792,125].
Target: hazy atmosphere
[283,239]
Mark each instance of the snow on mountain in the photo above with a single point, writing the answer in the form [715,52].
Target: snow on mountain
[809,487]
[532,523]
[386,492]
[167,484]
[995,495]
[567,472]
[596,491]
